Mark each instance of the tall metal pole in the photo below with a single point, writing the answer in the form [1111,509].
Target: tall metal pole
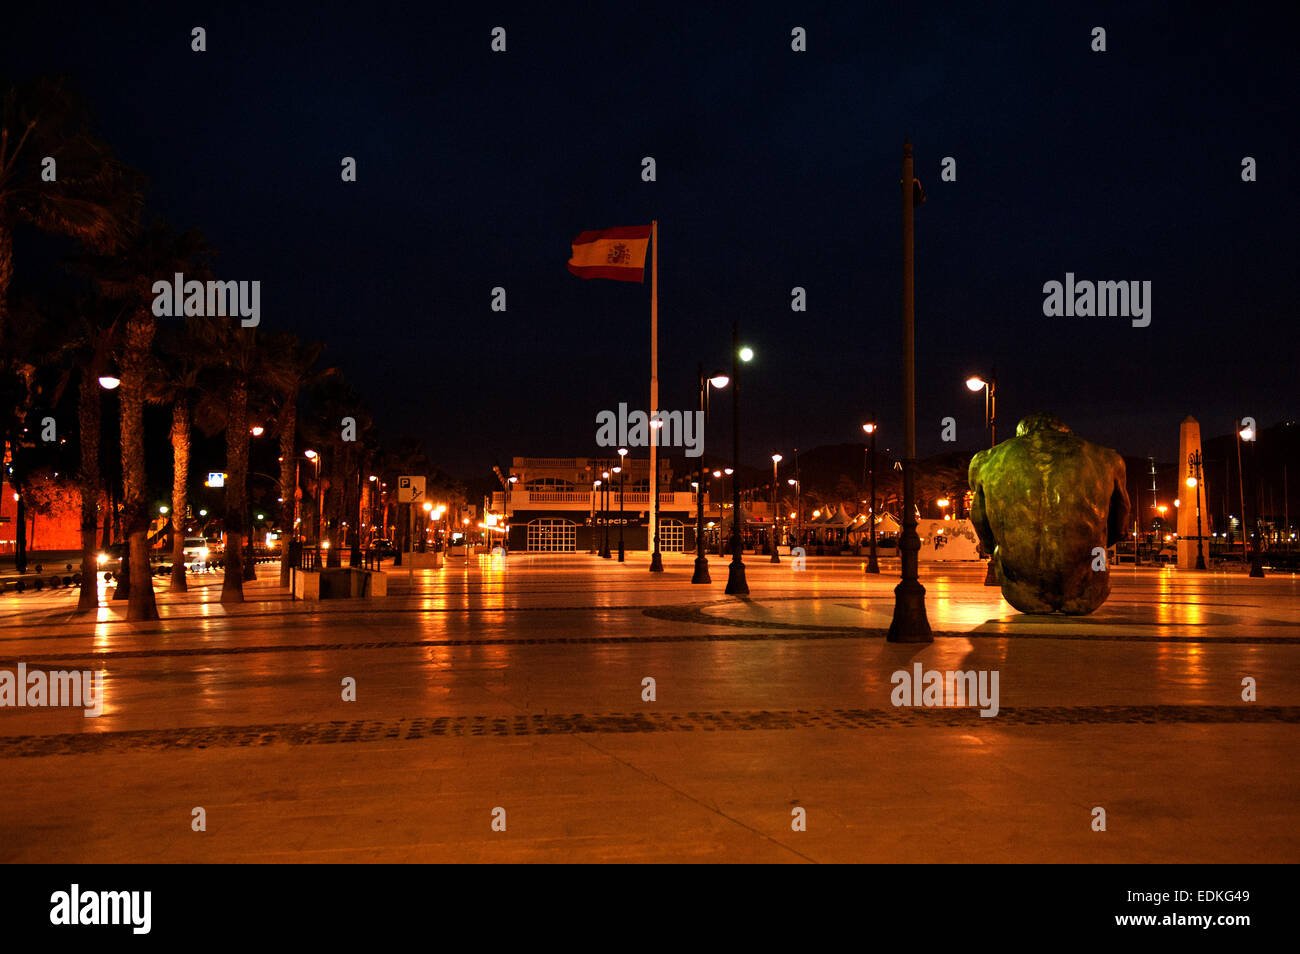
[798,502]
[656,561]
[1241,490]
[736,584]
[910,624]
[317,563]
[622,472]
[872,565]
[993,408]
[776,459]
[701,574]
[604,512]
[991,419]
[1257,561]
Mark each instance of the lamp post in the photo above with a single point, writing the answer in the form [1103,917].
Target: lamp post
[1256,561]
[604,501]
[1194,481]
[595,510]
[314,457]
[371,485]
[776,459]
[909,623]
[701,574]
[250,570]
[622,472]
[990,388]
[619,470]
[736,585]
[510,513]
[872,565]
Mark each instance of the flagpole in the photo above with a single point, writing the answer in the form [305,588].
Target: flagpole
[656,561]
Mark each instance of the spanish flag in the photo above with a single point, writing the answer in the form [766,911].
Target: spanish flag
[617,253]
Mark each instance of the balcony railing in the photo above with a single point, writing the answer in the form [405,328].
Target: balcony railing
[587,500]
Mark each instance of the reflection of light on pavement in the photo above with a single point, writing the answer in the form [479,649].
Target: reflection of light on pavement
[958,614]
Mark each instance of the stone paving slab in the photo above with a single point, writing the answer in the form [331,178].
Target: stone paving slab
[521,687]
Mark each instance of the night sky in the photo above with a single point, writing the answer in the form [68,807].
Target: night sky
[775,169]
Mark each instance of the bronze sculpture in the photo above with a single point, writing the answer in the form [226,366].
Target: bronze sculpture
[1047,504]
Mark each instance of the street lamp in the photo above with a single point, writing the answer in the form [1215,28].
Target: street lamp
[776,459]
[621,470]
[604,499]
[1194,482]
[975,383]
[509,514]
[736,585]
[1247,433]
[314,457]
[108,382]
[595,508]
[701,574]
[723,542]
[618,469]
[872,565]
[798,506]
[250,567]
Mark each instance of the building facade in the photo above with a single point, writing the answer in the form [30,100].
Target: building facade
[554,505]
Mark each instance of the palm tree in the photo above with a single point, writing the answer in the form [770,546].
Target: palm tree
[93,198]
[332,399]
[289,367]
[129,277]
[44,133]
[183,362]
[236,355]
[99,332]
[25,353]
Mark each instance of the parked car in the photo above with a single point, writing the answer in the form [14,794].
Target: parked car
[195,553]
[384,547]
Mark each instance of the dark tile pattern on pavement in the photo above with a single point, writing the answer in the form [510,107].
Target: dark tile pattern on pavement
[371,730]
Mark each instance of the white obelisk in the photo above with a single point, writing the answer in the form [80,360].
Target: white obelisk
[1189,498]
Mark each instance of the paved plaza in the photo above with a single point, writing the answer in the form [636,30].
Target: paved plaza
[517,684]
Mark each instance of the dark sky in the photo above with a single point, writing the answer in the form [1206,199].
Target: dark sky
[775,169]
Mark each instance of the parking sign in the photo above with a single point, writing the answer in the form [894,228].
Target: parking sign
[410,489]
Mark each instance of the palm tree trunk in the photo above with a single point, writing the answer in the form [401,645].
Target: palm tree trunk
[20,538]
[88,425]
[6,275]
[288,423]
[108,521]
[354,512]
[232,585]
[180,490]
[139,336]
